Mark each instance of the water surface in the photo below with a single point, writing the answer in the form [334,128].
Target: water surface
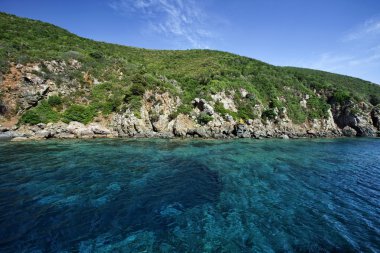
[190,196]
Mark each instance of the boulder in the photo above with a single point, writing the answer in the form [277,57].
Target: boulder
[79,129]
[16,139]
[183,125]
[98,129]
[349,132]
[312,132]
[241,131]
[229,118]
[203,106]
[4,129]
[41,125]
[44,134]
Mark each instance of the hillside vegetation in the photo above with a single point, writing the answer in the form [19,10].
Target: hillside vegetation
[112,78]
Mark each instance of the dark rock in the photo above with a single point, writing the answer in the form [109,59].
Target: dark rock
[229,118]
[375,115]
[364,131]
[347,116]
[241,131]
[41,125]
[349,132]
[3,109]
[203,106]
[3,129]
[312,132]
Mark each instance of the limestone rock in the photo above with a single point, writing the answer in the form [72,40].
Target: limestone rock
[203,106]
[227,101]
[79,130]
[183,125]
[98,129]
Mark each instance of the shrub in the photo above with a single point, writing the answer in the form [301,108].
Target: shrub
[269,114]
[182,109]
[96,55]
[317,108]
[43,113]
[30,117]
[55,101]
[246,111]
[137,89]
[80,113]
[135,105]
[374,99]
[203,118]
[106,97]
[72,55]
[341,96]
[295,112]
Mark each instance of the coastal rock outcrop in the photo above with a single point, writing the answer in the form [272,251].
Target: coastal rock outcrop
[357,117]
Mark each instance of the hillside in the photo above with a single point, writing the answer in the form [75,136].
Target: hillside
[49,75]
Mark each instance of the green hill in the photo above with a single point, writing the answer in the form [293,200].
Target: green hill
[125,73]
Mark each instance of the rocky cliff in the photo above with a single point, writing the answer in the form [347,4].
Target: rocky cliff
[54,84]
[25,86]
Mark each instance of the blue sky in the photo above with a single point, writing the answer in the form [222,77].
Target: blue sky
[341,36]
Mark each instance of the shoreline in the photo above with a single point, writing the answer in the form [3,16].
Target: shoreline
[31,139]
[77,130]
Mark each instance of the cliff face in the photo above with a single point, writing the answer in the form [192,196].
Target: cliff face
[54,84]
[26,86]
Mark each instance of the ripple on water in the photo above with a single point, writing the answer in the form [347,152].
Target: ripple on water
[190,196]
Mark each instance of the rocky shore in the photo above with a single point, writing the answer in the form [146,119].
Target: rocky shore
[127,125]
[158,116]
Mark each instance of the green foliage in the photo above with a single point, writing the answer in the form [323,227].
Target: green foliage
[374,99]
[135,104]
[341,96]
[80,113]
[296,112]
[43,113]
[317,108]
[96,55]
[245,111]
[269,114]
[55,101]
[127,72]
[31,117]
[219,108]
[137,89]
[182,109]
[133,97]
[107,97]
[321,80]
[203,118]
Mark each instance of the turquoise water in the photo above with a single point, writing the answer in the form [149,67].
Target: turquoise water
[190,196]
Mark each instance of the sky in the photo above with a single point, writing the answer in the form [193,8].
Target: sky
[340,36]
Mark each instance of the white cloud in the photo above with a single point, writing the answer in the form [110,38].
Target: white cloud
[178,20]
[356,54]
[331,61]
[371,27]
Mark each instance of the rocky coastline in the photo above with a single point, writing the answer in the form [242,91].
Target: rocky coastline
[23,88]
[127,125]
